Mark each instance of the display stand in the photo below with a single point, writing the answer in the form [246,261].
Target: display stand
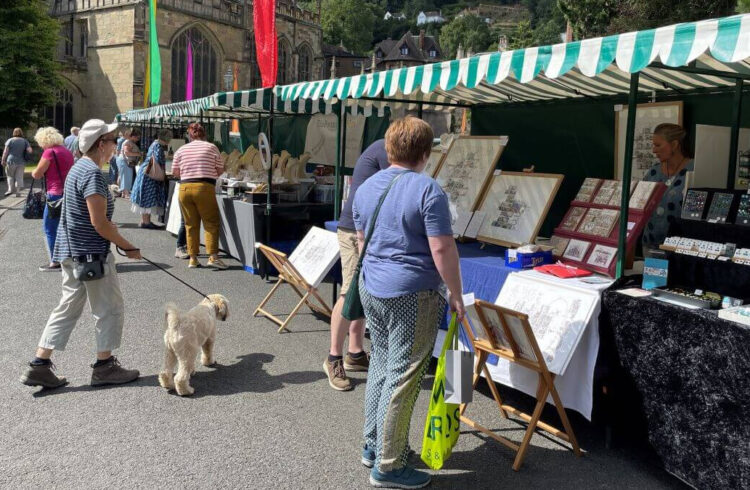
[637,219]
[289,274]
[508,335]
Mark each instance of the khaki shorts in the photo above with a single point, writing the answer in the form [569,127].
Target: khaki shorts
[349,257]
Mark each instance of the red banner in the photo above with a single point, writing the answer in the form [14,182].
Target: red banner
[266,46]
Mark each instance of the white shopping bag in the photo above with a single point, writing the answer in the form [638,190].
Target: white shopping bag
[459,372]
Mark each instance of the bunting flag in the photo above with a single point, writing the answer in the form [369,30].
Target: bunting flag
[152,82]
[189,74]
[266,46]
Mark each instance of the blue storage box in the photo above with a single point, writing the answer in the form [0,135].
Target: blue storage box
[518,260]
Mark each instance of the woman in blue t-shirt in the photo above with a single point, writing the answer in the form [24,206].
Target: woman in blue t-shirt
[409,259]
[84,236]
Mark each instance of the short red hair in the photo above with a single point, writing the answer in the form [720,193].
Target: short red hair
[196,131]
[408,140]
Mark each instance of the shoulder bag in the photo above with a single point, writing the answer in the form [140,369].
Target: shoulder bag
[35,202]
[352,309]
[154,170]
[54,207]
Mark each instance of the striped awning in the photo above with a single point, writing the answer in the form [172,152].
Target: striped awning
[589,68]
[241,104]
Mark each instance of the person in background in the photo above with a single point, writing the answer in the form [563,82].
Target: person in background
[373,160]
[198,164]
[149,196]
[17,151]
[86,234]
[410,255]
[675,161]
[54,166]
[130,154]
[181,251]
[71,138]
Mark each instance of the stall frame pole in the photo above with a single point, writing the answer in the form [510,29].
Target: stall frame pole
[337,176]
[734,141]
[626,174]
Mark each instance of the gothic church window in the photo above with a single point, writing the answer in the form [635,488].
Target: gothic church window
[205,65]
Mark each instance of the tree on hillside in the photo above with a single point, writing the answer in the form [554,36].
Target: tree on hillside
[469,31]
[743,6]
[28,72]
[589,18]
[522,37]
[347,21]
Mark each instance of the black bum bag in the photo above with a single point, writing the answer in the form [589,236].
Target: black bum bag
[89,267]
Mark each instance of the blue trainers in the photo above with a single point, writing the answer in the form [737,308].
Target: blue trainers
[368,456]
[406,477]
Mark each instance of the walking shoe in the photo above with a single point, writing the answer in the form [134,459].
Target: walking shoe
[150,226]
[111,373]
[7,194]
[406,477]
[337,375]
[193,263]
[181,253]
[217,263]
[355,364]
[42,375]
[49,267]
[368,456]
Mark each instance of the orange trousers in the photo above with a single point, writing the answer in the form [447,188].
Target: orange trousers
[198,203]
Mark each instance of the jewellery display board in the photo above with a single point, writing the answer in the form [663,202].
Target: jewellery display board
[720,205]
[465,170]
[516,204]
[694,204]
[593,229]
[743,211]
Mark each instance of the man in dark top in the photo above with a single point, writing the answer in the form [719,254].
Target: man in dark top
[373,160]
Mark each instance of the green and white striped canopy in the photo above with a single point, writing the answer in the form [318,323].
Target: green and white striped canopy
[592,67]
[241,104]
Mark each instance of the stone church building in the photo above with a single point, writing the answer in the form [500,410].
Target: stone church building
[104,45]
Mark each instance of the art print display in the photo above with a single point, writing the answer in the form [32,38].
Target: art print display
[559,244]
[467,166]
[647,117]
[694,204]
[433,163]
[573,218]
[516,204]
[558,314]
[606,191]
[743,212]
[315,255]
[642,193]
[720,205]
[602,256]
[617,194]
[599,222]
[576,250]
[587,190]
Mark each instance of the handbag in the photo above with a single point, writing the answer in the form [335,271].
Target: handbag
[154,170]
[54,207]
[35,202]
[442,426]
[352,309]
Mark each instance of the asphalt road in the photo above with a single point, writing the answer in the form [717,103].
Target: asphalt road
[263,418]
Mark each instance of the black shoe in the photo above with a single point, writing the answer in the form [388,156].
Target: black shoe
[42,375]
[111,373]
[149,226]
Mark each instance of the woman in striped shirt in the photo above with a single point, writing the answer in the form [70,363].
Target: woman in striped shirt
[198,164]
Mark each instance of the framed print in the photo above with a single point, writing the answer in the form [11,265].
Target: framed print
[647,117]
[642,194]
[602,256]
[573,218]
[577,250]
[607,189]
[433,163]
[599,222]
[559,244]
[587,190]
[466,168]
[516,204]
[617,194]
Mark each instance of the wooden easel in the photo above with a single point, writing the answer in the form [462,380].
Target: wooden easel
[508,335]
[288,274]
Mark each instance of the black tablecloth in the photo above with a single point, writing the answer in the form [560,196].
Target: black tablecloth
[692,371]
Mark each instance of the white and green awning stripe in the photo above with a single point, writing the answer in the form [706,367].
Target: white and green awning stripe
[591,67]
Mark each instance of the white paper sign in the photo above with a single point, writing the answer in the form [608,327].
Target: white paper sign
[320,140]
[315,255]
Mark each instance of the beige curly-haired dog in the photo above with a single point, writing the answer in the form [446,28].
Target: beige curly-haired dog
[184,335]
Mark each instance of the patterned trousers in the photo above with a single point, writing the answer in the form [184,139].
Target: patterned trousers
[402,332]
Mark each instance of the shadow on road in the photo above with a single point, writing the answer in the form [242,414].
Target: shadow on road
[123,267]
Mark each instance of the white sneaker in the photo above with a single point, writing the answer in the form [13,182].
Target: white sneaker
[216,263]
[181,253]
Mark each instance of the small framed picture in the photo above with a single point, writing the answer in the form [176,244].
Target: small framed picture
[576,250]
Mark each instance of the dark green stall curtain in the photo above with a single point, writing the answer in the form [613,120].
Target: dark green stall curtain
[288,133]
[375,128]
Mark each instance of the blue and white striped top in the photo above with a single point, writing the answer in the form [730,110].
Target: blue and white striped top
[84,180]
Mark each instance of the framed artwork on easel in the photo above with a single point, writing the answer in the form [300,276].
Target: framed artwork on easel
[465,170]
[433,163]
[516,204]
[647,117]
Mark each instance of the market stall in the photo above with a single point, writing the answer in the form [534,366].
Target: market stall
[595,220]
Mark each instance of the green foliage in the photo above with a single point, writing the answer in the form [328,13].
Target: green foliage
[589,18]
[469,31]
[28,72]
[348,21]
[522,37]
[743,6]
